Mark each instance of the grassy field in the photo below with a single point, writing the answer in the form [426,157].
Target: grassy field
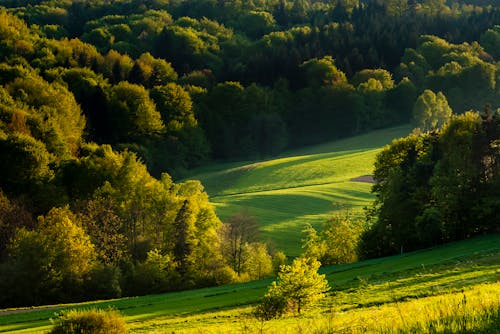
[302,187]
[447,289]
[379,295]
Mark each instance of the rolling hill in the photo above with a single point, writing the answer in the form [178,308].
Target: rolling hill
[451,287]
[302,187]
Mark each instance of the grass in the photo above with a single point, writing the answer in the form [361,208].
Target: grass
[302,187]
[447,289]
[382,295]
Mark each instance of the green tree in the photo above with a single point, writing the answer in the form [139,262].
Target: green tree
[322,71]
[102,223]
[150,72]
[300,284]
[238,231]
[155,275]
[313,244]
[381,75]
[184,238]
[431,111]
[342,236]
[256,24]
[258,263]
[456,181]
[25,161]
[336,243]
[50,263]
[175,106]
[133,112]
[13,216]
[58,118]
[490,40]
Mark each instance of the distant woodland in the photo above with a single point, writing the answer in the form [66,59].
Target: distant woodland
[103,104]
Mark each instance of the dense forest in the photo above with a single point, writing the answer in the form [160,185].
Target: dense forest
[435,187]
[104,103]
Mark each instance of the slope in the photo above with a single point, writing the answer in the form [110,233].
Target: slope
[359,292]
[303,187]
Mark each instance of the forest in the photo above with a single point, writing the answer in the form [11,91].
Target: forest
[106,105]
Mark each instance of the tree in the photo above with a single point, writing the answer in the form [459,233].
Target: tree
[456,180]
[300,284]
[239,230]
[322,71]
[48,264]
[381,75]
[336,243]
[342,237]
[104,226]
[185,240]
[25,160]
[133,112]
[13,215]
[256,24]
[490,40]
[258,263]
[59,122]
[175,106]
[150,72]
[431,111]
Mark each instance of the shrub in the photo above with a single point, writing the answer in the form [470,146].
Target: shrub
[91,321]
[298,286]
[225,275]
[270,307]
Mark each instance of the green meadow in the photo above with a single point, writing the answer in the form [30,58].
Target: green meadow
[305,186]
[376,296]
[447,289]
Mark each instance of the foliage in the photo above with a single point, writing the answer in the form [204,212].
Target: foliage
[337,242]
[239,230]
[364,295]
[299,284]
[270,307]
[99,99]
[58,254]
[258,263]
[89,321]
[12,217]
[435,187]
[431,111]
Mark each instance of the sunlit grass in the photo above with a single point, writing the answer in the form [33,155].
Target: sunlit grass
[282,214]
[374,289]
[304,187]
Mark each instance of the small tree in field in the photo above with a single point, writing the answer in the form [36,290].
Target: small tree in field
[298,286]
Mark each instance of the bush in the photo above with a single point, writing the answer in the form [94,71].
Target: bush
[89,322]
[298,286]
[225,275]
[270,307]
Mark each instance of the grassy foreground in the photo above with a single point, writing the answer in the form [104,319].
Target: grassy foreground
[304,187]
[453,285]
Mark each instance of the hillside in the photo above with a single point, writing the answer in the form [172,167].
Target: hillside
[369,293]
[302,187]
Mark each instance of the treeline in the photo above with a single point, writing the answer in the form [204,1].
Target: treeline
[436,187]
[81,220]
[233,80]
[108,228]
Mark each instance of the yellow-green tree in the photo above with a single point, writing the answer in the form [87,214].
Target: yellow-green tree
[431,111]
[300,284]
[48,264]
